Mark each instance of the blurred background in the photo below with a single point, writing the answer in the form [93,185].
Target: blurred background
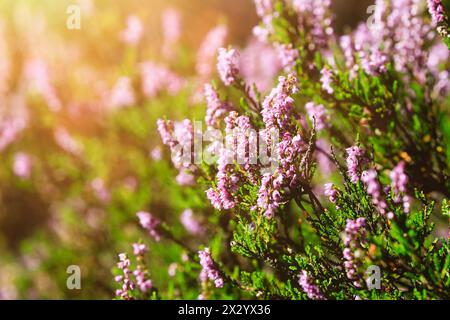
[79,151]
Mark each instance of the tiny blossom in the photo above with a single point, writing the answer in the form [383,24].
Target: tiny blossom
[156,153]
[317,114]
[215,107]
[331,192]
[9,130]
[354,234]
[101,192]
[308,286]
[149,223]
[171,25]
[354,155]
[277,106]
[206,55]
[373,63]
[127,283]
[326,80]
[38,76]
[133,32]
[65,140]
[190,223]
[22,165]
[172,270]
[288,56]
[399,181]
[209,268]
[157,78]
[139,249]
[316,16]
[185,178]
[370,179]
[259,64]
[122,95]
[228,65]
[436,9]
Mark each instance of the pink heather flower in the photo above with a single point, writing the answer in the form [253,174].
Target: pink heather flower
[264,7]
[157,78]
[327,80]
[215,107]
[185,178]
[354,155]
[9,130]
[317,114]
[277,106]
[122,95]
[209,268]
[228,65]
[354,235]
[331,192]
[67,142]
[156,153]
[133,32]
[139,249]
[373,63]
[370,179]
[436,9]
[171,24]
[316,16]
[288,56]
[127,284]
[308,286]
[208,50]
[101,192]
[178,137]
[399,183]
[172,270]
[438,55]
[190,223]
[149,223]
[22,165]
[259,64]
[38,77]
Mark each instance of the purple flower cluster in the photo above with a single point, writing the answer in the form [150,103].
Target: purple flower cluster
[178,136]
[354,235]
[9,130]
[227,178]
[209,268]
[315,15]
[144,284]
[191,224]
[288,56]
[399,181]
[124,265]
[436,9]
[260,64]
[326,80]
[354,155]
[149,223]
[157,78]
[370,179]
[308,286]
[228,65]
[215,107]
[318,114]
[277,106]
[206,55]
[331,192]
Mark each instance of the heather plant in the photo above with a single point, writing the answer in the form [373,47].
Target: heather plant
[362,171]
[306,162]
